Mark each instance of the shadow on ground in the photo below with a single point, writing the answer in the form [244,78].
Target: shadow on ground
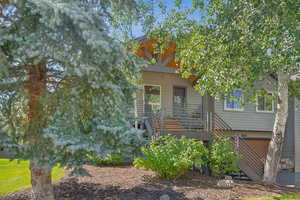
[74,190]
[128,183]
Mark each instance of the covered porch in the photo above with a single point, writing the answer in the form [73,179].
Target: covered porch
[168,104]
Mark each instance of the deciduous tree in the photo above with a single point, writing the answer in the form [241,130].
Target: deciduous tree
[240,43]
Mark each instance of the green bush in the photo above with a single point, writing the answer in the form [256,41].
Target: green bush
[110,160]
[170,157]
[223,158]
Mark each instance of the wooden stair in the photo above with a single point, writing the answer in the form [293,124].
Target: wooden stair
[244,166]
[251,163]
[179,125]
[169,125]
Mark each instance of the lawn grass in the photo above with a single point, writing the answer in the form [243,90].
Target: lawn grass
[283,197]
[15,176]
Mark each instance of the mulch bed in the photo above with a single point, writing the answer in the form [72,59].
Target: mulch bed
[128,183]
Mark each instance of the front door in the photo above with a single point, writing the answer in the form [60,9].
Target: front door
[179,100]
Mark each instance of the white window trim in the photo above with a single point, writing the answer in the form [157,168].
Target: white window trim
[235,109]
[266,111]
[144,94]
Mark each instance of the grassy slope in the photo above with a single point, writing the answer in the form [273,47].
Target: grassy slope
[15,176]
[283,197]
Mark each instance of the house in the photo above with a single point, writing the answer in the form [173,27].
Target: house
[172,106]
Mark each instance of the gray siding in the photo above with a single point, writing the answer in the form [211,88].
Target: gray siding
[158,68]
[297,137]
[288,150]
[167,81]
[4,154]
[297,178]
[288,178]
[248,120]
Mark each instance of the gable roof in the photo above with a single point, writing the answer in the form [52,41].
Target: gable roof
[146,50]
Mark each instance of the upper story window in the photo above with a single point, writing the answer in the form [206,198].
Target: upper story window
[234,101]
[265,103]
[152,98]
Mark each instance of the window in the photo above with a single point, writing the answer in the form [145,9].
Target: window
[265,103]
[234,101]
[152,98]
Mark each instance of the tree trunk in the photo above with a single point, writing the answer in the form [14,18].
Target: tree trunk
[41,182]
[275,146]
[40,175]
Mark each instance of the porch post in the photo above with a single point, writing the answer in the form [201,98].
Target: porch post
[210,108]
[161,120]
[135,111]
[237,142]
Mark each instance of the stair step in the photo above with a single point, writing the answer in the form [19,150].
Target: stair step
[240,176]
[250,172]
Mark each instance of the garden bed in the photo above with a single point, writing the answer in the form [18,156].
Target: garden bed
[128,183]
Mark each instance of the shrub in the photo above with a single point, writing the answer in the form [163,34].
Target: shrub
[223,158]
[110,160]
[170,157]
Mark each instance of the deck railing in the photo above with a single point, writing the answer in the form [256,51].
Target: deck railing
[193,120]
[184,119]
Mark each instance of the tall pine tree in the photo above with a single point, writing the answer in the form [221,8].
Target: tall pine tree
[63,83]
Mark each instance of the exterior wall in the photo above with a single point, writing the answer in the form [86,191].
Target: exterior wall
[4,154]
[259,145]
[288,151]
[297,139]
[291,147]
[159,68]
[251,134]
[167,81]
[297,178]
[286,178]
[247,120]
[248,123]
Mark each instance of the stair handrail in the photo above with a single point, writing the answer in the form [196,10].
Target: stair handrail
[253,158]
[224,124]
[253,155]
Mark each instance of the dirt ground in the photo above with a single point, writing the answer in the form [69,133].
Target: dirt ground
[128,183]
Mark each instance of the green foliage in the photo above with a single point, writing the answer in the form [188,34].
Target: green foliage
[241,44]
[113,159]
[170,157]
[282,197]
[294,89]
[110,160]
[15,176]
[223,157]
[61,55]
[237,44]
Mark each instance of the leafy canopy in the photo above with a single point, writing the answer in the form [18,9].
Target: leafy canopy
[62,54]
[237,44]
